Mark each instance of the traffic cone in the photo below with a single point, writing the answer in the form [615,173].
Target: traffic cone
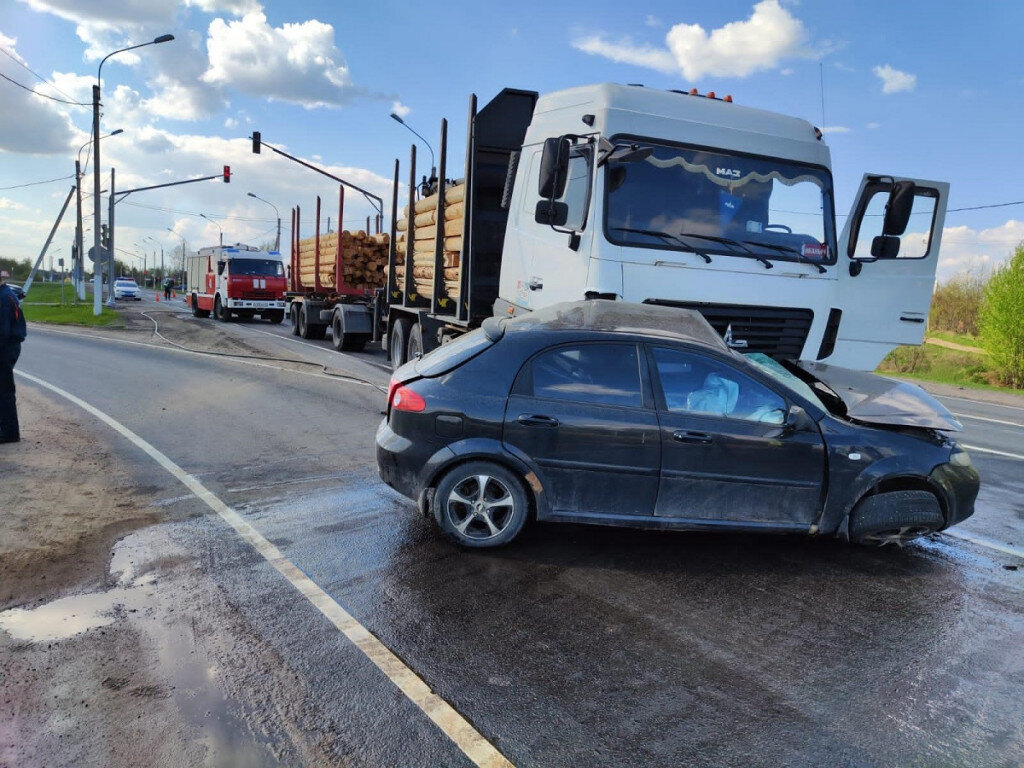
[156,296]
[174,294]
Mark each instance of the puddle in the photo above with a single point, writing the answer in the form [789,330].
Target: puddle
[185,673]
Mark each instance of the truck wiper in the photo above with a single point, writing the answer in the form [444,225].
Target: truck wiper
[667,236]
[786,249]
[730,242]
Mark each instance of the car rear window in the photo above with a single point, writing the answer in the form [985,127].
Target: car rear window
[450,356]
[603,374]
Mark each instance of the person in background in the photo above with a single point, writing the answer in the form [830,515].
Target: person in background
[168,283]
[12,333]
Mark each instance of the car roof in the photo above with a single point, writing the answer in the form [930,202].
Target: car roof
[621,317]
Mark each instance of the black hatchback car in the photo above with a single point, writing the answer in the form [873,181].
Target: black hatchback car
[640,415]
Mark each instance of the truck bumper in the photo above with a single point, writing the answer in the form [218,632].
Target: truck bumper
[255,304]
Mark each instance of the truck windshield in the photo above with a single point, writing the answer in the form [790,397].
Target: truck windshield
[257,267]
[691,199]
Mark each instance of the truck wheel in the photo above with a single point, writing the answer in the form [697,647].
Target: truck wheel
[293,312]
[196,311]
[414,347]
[345,342]
[221,312]
[308,330]
[399,344]
[480,504]
[275,316]
[895,517]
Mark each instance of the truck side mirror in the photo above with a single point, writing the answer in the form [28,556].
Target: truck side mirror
[554,168]
[551,212]
[885,247]
[897,210]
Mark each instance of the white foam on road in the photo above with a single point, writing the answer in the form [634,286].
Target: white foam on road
[443,715]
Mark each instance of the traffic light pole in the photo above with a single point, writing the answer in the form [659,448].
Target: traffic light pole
[110,244]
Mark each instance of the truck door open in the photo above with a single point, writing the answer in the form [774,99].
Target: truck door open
[885,293]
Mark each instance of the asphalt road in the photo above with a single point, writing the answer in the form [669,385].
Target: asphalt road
[575,646]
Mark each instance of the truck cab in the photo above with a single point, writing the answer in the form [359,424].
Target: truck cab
[237,281]
[693,201]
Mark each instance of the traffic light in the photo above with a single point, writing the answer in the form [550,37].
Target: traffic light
[104,236]
[255,142]
[227,174]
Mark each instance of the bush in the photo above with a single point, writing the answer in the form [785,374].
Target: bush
[956,303]
[1002,320]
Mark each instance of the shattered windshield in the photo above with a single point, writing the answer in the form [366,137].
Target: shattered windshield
[706,202]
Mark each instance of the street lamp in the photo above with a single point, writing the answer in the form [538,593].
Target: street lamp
[277,241]
[219,227]
[97,298]
[433,166]
[79,266]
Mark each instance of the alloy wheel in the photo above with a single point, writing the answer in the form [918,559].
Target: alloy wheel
[480,507]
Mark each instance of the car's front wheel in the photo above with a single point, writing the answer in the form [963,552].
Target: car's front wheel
[895,517]
[480,504]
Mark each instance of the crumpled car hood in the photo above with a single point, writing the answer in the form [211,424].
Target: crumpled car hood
[878,400]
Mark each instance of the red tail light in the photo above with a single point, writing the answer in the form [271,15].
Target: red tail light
[404,399]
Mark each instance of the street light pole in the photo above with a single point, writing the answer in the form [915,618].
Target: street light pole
[219,227]
[433,166]
[79,267]
[182,249]
[97,298]
[277,241]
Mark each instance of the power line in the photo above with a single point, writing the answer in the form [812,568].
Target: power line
[44,95]
[36,183]
[23,65]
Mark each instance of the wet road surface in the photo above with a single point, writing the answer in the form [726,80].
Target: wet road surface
[575,646]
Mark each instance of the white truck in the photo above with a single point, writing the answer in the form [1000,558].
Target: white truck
[671,198]
[238,281]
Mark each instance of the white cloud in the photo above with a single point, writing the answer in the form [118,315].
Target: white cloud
[965,249]
[230,123]
[10,205]
[872,126]
[298,63]
[30,123]
[653,21]
[835,129]
[770,35]
[626,52]
[400,109]
[893,80]
[234,7]
[787,71]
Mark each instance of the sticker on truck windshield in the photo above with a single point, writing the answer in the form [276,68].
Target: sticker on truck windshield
[817,251]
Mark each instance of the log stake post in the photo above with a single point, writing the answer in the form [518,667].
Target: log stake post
[316,260]
[440,297]
[339,278]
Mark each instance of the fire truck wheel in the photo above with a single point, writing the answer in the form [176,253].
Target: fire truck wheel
[276,316]
[221,312]
[398,345]
[196,311]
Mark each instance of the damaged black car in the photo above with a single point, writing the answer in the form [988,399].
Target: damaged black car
[638,415]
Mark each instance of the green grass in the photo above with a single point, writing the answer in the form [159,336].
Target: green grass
[43,305]
[957,338]
[944,366]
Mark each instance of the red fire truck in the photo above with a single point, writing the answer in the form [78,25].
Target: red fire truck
[237,281]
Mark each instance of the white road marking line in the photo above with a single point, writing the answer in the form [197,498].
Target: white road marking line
[981,541]
[979,402]
[979,449]
[344,377]
[282,337]
[986,418]
[443,715]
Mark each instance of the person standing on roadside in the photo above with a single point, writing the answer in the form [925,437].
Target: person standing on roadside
[167,288]
[12,333]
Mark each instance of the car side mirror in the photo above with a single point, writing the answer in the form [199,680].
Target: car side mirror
[554,168]
[897,210]
[797,420]
[885,247]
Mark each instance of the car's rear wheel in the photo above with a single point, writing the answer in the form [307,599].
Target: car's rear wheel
[480,504]
[895,517]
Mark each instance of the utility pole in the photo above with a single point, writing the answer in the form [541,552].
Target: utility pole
[78,266]
[97,265]
[110,241]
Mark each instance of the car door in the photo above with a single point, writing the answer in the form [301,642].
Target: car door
[885,301]
[580,412]
[726,454]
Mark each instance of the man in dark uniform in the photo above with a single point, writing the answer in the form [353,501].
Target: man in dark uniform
[12,333]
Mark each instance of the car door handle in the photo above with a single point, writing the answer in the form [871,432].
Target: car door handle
[685,436]
[537,420]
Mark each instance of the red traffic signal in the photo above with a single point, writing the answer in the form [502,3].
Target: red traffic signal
[256,142]
[227,174]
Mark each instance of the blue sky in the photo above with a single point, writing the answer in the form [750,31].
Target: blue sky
[922,89]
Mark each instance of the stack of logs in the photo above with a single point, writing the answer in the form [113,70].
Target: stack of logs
[425,234]
[364,260]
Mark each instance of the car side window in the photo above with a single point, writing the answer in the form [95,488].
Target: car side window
[604,374]
[703,386]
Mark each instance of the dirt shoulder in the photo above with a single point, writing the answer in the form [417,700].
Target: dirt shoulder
[66,499]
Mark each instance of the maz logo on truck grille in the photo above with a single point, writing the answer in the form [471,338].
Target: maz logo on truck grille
[732,173]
